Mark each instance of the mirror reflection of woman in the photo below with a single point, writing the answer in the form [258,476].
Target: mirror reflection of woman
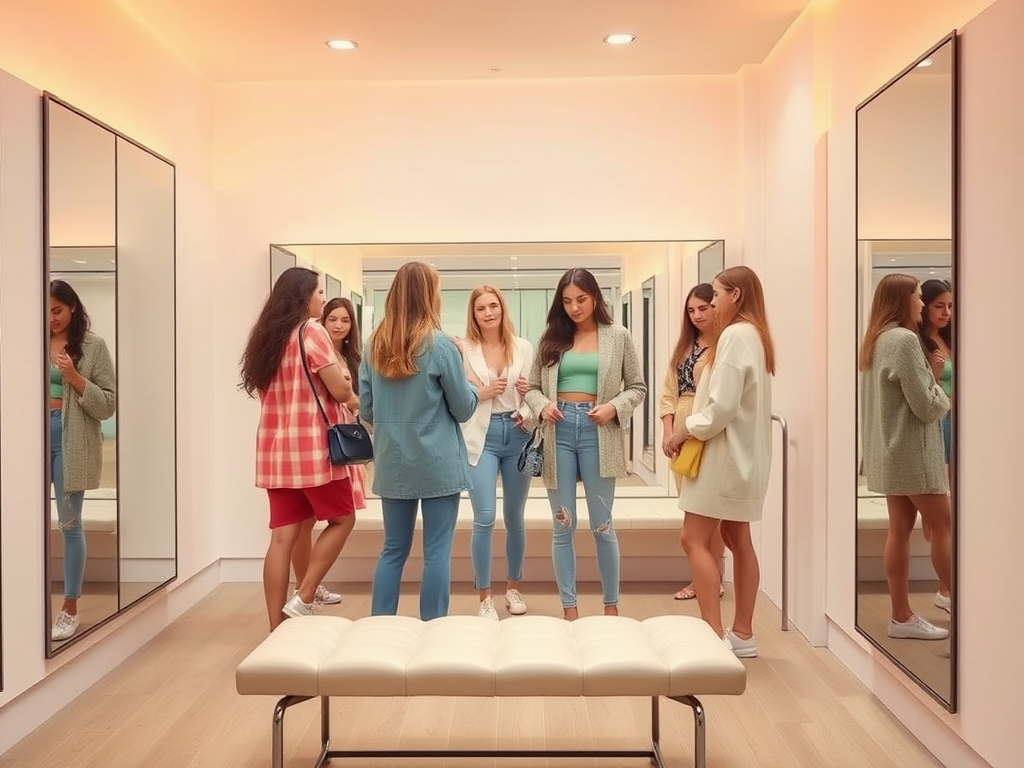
[585,383]
[82,394]
[292,462]
[902,405]
[495,435]
[936,331]
[732,414]
[688,361]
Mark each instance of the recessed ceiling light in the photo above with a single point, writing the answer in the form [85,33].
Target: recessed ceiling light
[342,45]
[925,63]
[620,38]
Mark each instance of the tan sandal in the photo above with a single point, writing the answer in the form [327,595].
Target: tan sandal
[688,593]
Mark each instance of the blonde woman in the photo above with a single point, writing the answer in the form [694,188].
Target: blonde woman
[688,362]
[496,360]
[414,392]
[902,406]
[732,414]
[585,384]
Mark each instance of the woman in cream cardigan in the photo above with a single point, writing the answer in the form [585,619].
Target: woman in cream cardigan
[495,435]
[585,383]
[688,362]
[732,414]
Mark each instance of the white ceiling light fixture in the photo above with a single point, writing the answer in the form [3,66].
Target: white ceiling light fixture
[620,38]
[341,44]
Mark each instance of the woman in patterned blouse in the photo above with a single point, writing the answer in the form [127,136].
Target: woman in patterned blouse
[688,360]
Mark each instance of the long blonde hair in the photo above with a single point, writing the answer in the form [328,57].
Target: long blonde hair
[750,309]
[412,313]
[507,332]
[890,305]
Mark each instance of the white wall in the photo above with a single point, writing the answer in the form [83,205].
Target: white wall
[549,160]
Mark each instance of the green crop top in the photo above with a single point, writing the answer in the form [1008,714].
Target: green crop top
[578,372]
[947,378]
[56,383]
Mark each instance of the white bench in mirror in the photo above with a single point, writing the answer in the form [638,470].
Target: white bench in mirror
[676,657]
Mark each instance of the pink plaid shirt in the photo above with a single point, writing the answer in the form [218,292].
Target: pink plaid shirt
[291,441]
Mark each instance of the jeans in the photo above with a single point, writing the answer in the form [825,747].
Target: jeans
[501,450]
[439,516]
[69,514]
[577,456]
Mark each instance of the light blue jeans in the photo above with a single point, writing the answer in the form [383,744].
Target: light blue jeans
[577,456]
[501,450]
[69,514]
[439,516]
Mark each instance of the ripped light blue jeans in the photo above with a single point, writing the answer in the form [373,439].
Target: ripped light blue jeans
[69,514]
[577,455]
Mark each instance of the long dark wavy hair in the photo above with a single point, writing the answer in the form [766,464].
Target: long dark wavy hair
[79,324]
[285,308]
[688,332]
[930,291]
[351,345]
[560,331]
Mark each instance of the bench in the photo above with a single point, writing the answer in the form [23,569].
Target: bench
[676,657]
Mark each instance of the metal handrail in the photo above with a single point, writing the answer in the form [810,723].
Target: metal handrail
[785,520]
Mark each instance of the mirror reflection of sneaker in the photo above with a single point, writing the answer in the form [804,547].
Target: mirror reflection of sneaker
[916,628]
[944,602]
[65,626]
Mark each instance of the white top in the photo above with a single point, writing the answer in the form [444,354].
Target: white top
[474,431]
[732,413]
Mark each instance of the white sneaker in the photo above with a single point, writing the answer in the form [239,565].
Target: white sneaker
[487,610]
[515,603]
[295,607]
[64,627]
[916,628]
[945,602]
[325,596]
[744,649]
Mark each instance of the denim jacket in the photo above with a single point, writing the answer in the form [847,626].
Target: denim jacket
[419,451]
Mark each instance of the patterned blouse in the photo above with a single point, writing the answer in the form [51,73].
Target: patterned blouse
[684,373]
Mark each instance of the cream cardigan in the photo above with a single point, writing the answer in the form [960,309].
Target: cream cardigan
[81,440]
[732,413]
[620,382]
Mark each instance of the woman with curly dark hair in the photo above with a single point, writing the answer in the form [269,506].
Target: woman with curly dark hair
[292,462]
[82,394]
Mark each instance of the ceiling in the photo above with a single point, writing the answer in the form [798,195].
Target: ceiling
[284,40]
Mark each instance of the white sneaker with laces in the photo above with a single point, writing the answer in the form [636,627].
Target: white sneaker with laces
[295,607]
[487,609]
[945,602]
[325,596]
[65,626]
[916,628]
[515,603]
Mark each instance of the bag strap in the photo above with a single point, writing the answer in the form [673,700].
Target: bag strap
[309,376]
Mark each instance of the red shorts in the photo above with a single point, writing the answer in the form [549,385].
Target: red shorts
[324,502]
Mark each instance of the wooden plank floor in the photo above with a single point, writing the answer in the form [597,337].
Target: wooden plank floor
[174,704]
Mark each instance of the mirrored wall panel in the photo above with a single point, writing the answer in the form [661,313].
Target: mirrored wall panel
[907,265]
[639,280]
[110,372]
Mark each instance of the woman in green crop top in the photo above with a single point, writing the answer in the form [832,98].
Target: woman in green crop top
[936,330]
[82,386]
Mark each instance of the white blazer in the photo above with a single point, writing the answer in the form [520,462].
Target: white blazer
[474,431]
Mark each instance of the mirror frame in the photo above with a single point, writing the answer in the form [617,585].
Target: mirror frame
[54,649]
[648,358]
[950,39]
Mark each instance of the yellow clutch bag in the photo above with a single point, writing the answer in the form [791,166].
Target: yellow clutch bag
[687,461]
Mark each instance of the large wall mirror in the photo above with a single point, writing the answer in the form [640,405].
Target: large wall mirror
[907,265]
[527,273]
[109,302]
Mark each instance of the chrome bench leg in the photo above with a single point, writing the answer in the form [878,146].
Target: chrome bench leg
[277,730]
[699,730]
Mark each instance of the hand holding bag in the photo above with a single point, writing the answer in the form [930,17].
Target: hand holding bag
[346,443]
[531,458]
[687,461]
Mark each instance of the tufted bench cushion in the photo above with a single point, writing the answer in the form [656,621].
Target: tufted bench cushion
[678,657]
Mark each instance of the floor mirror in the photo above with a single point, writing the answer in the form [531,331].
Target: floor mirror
[109,368]
[906,280]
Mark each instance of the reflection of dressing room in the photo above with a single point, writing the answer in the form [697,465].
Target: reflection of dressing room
[534,383]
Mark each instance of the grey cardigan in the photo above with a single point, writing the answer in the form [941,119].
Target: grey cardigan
[81,441]
[620,382]
[901,409]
